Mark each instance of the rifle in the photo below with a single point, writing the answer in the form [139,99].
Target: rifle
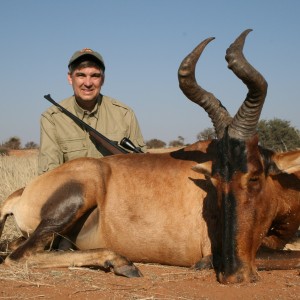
[110,146]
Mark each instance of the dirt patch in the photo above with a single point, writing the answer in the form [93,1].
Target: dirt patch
[159,282]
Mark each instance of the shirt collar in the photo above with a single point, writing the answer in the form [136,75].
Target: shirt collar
[81,112]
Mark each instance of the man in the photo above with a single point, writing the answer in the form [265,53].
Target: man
[61,139]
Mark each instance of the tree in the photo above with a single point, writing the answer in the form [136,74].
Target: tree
[207,134]
[155,143]
[177,143]
[275,134]
[13,143]
[31,145]
[278,135]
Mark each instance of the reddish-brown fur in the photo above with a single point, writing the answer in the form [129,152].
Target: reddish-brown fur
[166,217]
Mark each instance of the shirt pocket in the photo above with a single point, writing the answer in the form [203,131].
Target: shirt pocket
[73,148]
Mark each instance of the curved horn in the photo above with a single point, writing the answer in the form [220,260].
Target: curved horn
[188,84]
[244,123]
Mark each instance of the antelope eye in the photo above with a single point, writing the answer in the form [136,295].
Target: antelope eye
[253,179]
[254,184]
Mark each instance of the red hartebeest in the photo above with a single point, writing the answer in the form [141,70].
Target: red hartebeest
[211,203]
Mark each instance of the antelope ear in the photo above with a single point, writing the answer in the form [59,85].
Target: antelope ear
[203,168]
[288,162]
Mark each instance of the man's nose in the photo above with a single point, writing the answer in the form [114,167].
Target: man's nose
[88,81]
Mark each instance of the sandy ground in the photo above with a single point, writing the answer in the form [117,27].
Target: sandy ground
[159,282]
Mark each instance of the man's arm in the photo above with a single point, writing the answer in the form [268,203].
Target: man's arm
[135,134]
[50,155]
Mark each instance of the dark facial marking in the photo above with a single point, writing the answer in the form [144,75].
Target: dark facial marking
[231,157]
[230,261]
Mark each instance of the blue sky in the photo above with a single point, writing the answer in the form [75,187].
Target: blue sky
[143,43]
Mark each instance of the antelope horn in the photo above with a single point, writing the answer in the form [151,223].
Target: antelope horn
[244,123]
[188,84]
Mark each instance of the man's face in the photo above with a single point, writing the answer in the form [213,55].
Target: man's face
[86,83]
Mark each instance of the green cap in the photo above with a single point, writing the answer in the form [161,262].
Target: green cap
[87,52]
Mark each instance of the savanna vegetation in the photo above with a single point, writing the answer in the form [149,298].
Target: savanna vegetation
[15,172]
[276,134]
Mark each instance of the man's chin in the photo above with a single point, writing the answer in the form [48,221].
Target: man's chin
[86,98]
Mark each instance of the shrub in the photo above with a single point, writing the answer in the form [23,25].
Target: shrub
[3,151]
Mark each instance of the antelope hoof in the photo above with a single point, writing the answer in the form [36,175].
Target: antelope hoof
[128,271]
[238,277]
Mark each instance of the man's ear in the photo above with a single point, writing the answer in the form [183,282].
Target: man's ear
[70,78]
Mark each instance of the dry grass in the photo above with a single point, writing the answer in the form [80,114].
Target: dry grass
[15,172]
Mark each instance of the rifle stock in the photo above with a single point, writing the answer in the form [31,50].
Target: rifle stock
[110,146]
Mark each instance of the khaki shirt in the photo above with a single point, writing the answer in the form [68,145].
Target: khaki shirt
[62,139]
